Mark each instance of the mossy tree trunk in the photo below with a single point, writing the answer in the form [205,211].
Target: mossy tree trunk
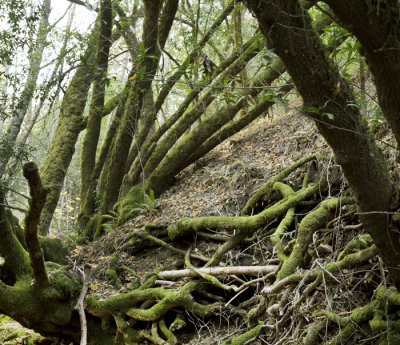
[89,149]
[322,87]
[163,159]
[185,121]
[62,146]
[139,86]
[140,149]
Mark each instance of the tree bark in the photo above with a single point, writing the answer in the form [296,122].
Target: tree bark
[288,30]
[139,87]
[62,146]
[89,149]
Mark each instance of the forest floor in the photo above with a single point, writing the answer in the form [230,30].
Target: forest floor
[220,184]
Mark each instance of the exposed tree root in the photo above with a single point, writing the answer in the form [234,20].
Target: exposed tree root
[302,254]
[267,188]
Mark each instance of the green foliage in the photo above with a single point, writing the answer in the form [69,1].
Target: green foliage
[19,18]
[110,222]
[150,203]
[375,118]
[319,111]
[17,150]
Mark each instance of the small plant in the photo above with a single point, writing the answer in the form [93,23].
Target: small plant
[150,203]
[109,225]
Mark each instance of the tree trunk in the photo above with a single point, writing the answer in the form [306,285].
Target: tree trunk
[62,146]
[89,149]
[288,30]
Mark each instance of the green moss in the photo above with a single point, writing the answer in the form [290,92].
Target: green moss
[54,250]
[243,223]
[62,146]
[267,188]
[178,323]
[127,207]
[171,339]
[310,223]
[111,272]
[241,339]
[361,314]
[357,243]
[25,336]
[391,339]
[377,324]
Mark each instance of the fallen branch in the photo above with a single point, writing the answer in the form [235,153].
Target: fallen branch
[219,271]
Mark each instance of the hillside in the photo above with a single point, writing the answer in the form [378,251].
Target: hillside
[312,302]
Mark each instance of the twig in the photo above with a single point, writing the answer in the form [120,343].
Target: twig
[14,208]
[165,283]
[170,247]
[85,4]
[16,192]
[353,227]
[237,295]
[212,279]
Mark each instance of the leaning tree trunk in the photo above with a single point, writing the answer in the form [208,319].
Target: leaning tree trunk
[288,30]
[141,148]
[62,146]
[161,160]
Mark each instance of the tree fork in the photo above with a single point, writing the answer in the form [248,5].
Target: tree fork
[38,193]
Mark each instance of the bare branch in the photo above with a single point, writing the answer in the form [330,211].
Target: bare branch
[219,271]
[79,304]
[87,5]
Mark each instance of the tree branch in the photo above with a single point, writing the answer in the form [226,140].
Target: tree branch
[85,272]
[38,197]
[219,271]
[87,5]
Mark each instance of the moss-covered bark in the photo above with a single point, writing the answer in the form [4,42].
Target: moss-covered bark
[167,300]
[38,197]
[377,29]
[163,163]
[46,308]
[11,249]
[155,156]
[246,224]
[143,151]
[89,149]
[62,146]
[245,337]
[139,87]
[310,223]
